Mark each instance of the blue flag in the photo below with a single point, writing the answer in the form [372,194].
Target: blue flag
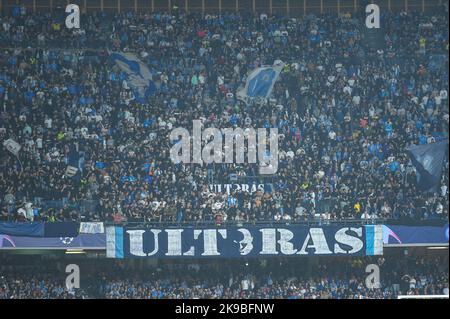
[260,82]
[428,160]
[138,74]
[22,229]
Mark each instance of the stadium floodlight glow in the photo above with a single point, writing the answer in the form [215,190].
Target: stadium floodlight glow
[75,251]
[423,297]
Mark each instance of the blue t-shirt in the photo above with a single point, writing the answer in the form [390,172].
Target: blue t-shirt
[393,166]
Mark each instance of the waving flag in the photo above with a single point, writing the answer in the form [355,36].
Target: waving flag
[260,82]
[12,146]
[138,74]
[428,160]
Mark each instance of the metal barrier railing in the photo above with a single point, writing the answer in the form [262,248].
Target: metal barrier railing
[288,7]
[309,222]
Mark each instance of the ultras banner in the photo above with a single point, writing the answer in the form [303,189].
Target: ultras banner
[243,242]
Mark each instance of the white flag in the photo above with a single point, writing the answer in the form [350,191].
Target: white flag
[12,146]
[71,171]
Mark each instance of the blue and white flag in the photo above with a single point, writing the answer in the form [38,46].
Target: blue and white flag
[260,82]
[114,242]
[428,160]
[138,74]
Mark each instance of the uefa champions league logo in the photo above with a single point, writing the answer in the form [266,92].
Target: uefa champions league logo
[66,240]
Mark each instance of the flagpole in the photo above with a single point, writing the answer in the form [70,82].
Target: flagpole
[21,166]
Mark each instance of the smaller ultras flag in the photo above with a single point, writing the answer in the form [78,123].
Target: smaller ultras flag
[428,160]
[260,82]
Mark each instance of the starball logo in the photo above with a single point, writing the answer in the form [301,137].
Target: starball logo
[213,145]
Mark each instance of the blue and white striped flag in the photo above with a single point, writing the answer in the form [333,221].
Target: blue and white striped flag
[260,82]
[374,240]
[138,74]
[114,242]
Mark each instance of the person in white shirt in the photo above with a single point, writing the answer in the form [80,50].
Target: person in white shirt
[245,284]
[412,283]
[443,190]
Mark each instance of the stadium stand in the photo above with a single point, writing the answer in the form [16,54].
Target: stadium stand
[86,117]
[346,113]
[330,278]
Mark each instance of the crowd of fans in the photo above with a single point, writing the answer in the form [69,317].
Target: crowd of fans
[37,287]
[346,280]
[270,279]
[346,113]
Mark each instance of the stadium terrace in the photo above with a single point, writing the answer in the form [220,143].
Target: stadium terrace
[85,133]
[211,149]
